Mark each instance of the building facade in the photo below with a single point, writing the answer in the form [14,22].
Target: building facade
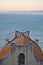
[21,50]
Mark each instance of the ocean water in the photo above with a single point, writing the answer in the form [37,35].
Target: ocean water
[9,23]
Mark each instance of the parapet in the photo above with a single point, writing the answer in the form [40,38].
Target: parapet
[17,33]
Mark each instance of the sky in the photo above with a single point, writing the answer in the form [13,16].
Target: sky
[21,5]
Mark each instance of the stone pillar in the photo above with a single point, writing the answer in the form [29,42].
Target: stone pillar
[12,53]
[27,34]
[16,33]
[26,55]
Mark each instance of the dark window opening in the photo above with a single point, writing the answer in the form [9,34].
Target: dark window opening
[0,61]
[21,59]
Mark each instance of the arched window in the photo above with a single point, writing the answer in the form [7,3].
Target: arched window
[21,59]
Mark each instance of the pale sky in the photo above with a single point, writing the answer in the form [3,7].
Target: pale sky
[21,5]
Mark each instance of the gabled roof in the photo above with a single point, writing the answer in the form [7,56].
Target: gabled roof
[37,52]
[22,40]
[5,51]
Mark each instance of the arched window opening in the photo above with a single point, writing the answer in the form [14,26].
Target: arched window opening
[21,59]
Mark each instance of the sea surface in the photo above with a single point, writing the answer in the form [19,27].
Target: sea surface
[9,23]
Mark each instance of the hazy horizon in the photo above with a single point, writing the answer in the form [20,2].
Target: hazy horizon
[21,12]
